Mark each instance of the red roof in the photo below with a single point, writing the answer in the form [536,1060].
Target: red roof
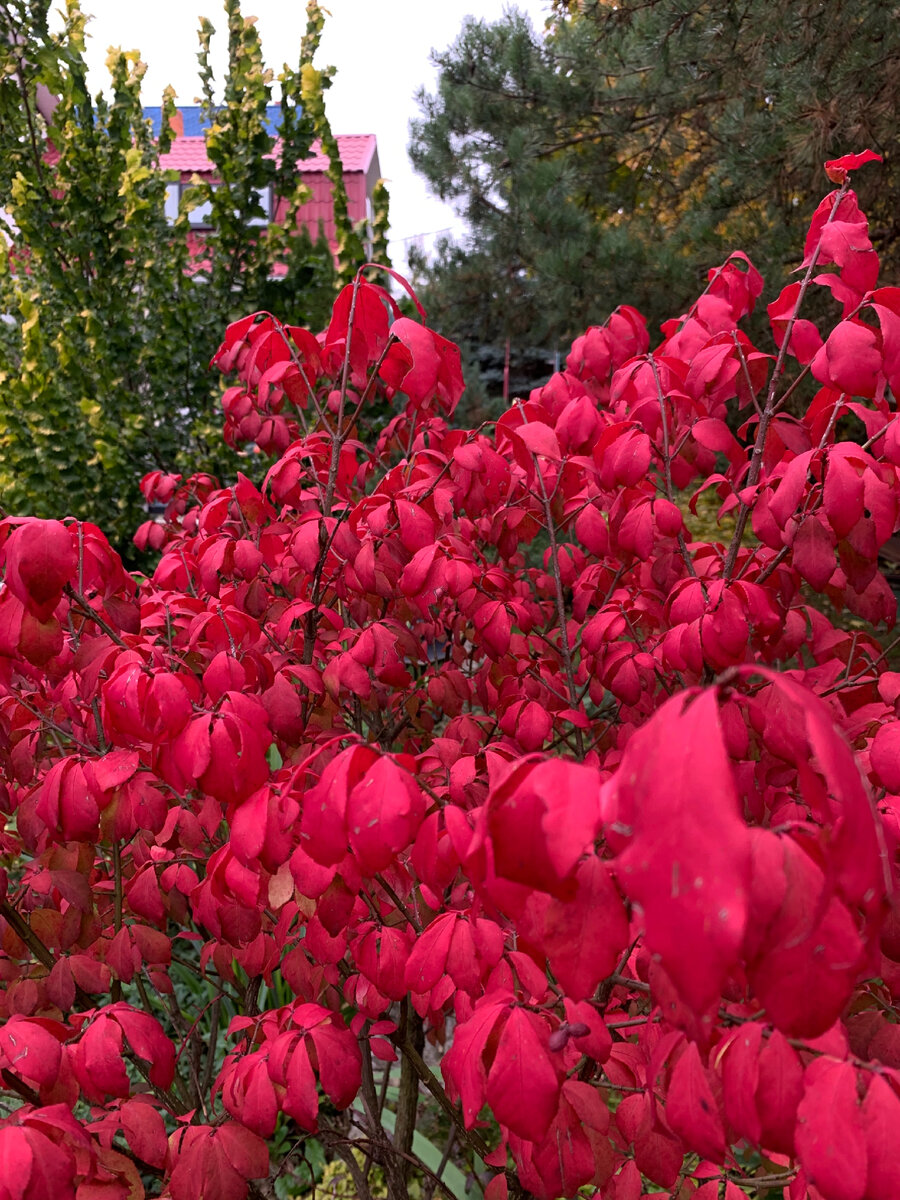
[187,154]
[356,150]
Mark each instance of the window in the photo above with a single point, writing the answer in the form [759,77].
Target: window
[264,196]
[370,227]
[199,217]
[173,195]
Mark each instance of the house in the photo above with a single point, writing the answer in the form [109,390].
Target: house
[359,156]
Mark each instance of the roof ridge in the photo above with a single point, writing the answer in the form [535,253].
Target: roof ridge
[357,150]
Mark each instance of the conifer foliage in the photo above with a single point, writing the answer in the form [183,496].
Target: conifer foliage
[613,154]
[446,778]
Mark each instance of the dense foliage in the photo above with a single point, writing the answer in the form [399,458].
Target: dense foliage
[364,830]
[112,311]
[616,154]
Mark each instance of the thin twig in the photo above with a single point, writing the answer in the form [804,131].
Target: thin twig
[771,405]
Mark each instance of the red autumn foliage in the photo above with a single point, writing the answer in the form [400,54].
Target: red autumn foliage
[445,744]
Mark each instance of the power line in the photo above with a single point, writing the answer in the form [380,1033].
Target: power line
[428,233]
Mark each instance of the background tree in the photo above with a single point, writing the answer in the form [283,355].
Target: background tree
[109,326]
[632,144]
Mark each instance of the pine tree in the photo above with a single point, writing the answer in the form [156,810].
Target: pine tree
[632,145]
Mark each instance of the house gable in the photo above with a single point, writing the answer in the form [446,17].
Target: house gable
[359,157]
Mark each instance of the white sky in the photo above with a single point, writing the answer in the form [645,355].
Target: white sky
[380,48]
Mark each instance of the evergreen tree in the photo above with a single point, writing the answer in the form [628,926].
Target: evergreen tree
[635,144]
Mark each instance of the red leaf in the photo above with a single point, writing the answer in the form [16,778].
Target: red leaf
[855,846]
[370,327]
[584,937]
[779,1092]
[691,1108]
[538,438]
[340,1061]
[713,1191]
[402,280]
[740,1077]
[144,1131]
[40,561]
[851,360]
[427,962]
[806,341]
[837,169]
[147,1040]
[885,755]
[494,625]
[323,828]
[436,374]
[216,1162]
[626,1185]
[497,1189]
[114,769]
[715,435]
[65,803]
[881,1120]
[522,1085]
[234,333]
[539,822]
[246,1152]
[384,811]
[597,1042]
[687,860]
[98,1059]
[844,491]
[803,955]
[658,1155]
[830,1135]
[463,1064]
[31,1048]
[813,552]
[301,1100]
[16,1160]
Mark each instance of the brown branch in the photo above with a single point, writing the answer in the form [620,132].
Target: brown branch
[26,934]
[771,404]
[85,608]
[412,1030]
[560,599]
[667,469]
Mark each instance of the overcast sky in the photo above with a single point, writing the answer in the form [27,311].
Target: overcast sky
[380,49]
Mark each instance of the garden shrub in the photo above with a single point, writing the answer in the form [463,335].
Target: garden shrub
[355,833]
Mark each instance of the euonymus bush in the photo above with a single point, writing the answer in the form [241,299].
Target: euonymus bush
[355,833]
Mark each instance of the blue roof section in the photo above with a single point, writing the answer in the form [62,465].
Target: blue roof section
[194,126]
